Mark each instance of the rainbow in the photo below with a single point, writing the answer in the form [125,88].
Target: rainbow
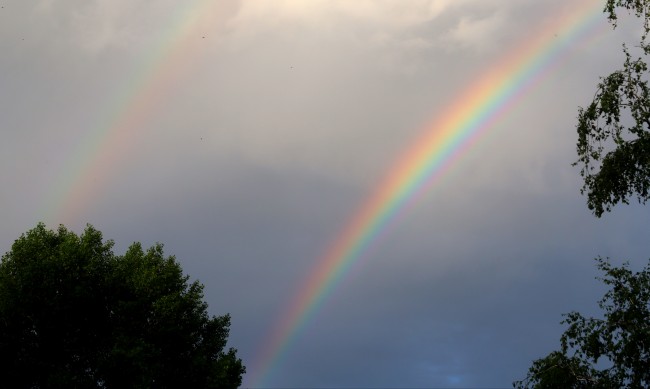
[448,137]
[103,149]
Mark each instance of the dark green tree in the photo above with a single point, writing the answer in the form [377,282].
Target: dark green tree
[614,156]
[75,315]
[613,130]
[608,352]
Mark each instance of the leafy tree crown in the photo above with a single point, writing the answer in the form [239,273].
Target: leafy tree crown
[74,314]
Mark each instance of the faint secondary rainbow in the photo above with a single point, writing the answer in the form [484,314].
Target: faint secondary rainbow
[104,149]
[449,136]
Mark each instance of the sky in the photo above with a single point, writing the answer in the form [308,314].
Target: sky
[249,137]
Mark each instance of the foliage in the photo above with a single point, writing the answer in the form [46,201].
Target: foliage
[614,155]
[75,315]
[614,130]
[620,341]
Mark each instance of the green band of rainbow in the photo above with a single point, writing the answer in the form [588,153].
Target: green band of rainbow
[446,139]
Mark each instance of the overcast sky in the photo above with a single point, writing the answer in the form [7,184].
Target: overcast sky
[245,134]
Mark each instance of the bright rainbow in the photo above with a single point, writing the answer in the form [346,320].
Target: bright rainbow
[444,141]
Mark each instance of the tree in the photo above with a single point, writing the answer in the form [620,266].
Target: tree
[609,352]
[614,156]
[75,315]
[614,130]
